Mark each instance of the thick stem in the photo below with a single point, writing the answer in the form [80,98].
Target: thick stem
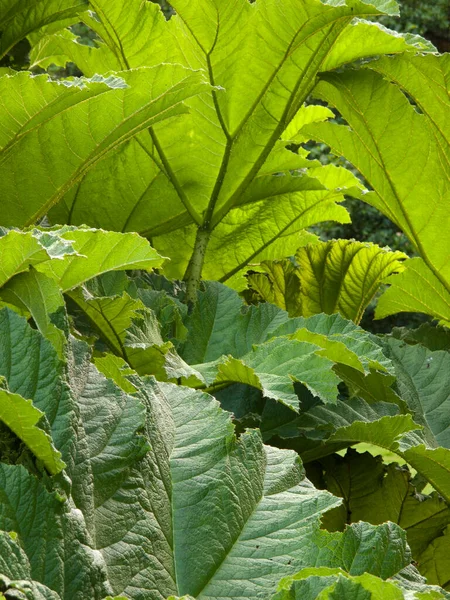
[194,270]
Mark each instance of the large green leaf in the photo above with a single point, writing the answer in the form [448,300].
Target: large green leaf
[211,167]
[434,561]
[341,340]
[423,381]
[426,80]
[260,346]
[415,290]
[39,265]
[19,18]
[274,367]
[133,333]
[41,297]
[22,250]
[337,276]
[163,500]
[15,572]
[86,120]
[377,113]
[98,252]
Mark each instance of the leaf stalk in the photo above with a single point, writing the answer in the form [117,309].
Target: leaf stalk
[193,273]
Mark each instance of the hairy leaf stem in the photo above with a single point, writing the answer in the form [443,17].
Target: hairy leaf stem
[194,269]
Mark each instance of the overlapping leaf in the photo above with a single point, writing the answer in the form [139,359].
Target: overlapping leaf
[39,265]
[20,18]
[337,276]
[207,167]
[261,347]
[378,112]
[378,493]
[86,120]
[335,583]
[133,333]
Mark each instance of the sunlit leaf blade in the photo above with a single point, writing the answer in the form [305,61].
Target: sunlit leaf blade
[41,297]
[20,18]
[305,115]
[207,164]
[351,44]
[116,369]
[426,80]
[415,290]
[62,46]
[22,418]
[337,276]
[334,584]
[277,282]
[343,276]
[98,252]
[22,250]
[266,228]
[72,117]
[378,112]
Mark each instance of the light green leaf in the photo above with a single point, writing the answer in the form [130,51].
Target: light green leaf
[211,166]
[277,283]
[305,116]
[116,369]
[343,276]
[324,583]
[69,114]
[41,297]
[20,18]
[62,47]
[415,290]
[268,223]
[98,252]
[22,250]
[337,276]
[399,186]
[425,79]
[22,418]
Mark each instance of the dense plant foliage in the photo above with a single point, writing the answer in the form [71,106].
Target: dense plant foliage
[183,371]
